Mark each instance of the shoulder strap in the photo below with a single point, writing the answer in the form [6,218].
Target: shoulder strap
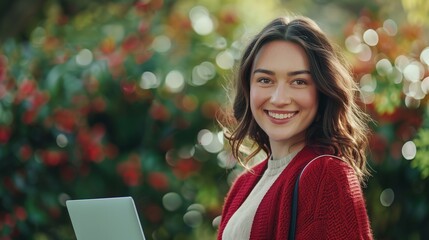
[294,212]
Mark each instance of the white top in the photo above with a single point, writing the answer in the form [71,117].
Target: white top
[240,224]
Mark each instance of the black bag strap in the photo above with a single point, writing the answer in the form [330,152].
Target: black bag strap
[294,212]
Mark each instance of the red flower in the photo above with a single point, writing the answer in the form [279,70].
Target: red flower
[158,180]
[159,111]
[142,5]
[184,168]
[94,153]
[153,213]
[5,133]
[25,89]
[143,27]
[39,99]
[142,57]
[25,152]
[53,157]
[128,87]
[29,116]
[3,67]
[130,170]
[90,143]
[20,213]
[146,5]
[130,44]
[131,177]
[65,119]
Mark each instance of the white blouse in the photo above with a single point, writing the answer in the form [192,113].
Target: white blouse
[240,224]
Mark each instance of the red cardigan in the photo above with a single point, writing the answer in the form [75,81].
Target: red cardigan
[331,204]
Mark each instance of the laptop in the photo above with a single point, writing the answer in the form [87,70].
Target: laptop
[105,219]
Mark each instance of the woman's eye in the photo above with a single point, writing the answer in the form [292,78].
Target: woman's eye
[264,80]
[299,82]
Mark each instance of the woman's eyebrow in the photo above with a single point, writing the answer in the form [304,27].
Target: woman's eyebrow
[293,73]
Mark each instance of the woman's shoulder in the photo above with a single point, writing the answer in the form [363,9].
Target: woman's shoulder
[329,166]
[331,176]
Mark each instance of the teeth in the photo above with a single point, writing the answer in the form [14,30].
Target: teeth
[281,115]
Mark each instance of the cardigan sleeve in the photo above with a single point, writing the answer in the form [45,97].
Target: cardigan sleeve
[331,204]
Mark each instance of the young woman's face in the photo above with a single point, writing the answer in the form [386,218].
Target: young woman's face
[283,95]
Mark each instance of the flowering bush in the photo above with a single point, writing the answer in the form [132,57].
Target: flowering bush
[110,103]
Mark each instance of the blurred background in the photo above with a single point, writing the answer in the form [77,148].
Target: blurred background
[115,98]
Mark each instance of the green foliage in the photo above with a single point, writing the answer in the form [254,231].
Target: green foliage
[389,61]
[110,103]
[421,160]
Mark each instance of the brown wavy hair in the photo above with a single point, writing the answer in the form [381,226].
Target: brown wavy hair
[340,125]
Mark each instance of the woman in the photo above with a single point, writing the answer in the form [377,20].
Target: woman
[295,100]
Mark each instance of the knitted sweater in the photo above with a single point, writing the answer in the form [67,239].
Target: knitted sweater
[330,206]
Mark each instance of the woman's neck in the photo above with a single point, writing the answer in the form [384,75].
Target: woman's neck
[279,150]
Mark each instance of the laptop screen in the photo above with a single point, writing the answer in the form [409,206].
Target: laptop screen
[105,218]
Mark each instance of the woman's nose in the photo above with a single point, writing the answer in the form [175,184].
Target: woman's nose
[281,95]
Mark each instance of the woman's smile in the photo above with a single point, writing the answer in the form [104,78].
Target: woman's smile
[281,115]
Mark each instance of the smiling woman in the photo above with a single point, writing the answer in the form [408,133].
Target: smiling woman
[295,100]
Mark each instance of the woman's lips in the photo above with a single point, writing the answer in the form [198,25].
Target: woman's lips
[281,115]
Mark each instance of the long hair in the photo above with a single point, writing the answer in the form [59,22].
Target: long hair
[340,125]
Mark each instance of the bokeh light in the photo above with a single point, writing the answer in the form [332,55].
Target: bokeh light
[390,27]
[383,67]
[424,56]
[161,44]
[370,37]
[186,152]
[401,62]
[203,73]
[225,60]
[84,57]
[174,81]
[414,71]
[387,197]
[194,215]
[114,31]
[425,85]
[367,87]
[395,75]
[193,218]
[365,53]
[216,221]
[201,20]
[411,102]
[149,80]
[172,201]
[210,141]
[415,90]
[62,140]
[409,150]
[353,44]
[226,160]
